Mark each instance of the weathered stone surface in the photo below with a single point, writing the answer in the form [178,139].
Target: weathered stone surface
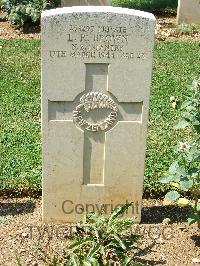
[96,76]
[85,3]
[188,11]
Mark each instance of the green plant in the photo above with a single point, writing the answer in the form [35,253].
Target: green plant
[25,11]
[148,5]
[185,28]
[101,241]
[4,220]
[30,201]
[18,260]
[184,172]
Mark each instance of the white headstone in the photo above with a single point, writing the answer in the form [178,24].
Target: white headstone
[85,3]
[96,76]
[188,11]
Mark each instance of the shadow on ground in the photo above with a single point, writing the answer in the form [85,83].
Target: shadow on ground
[29,28]
[150,262]
[156,214]
[196,239]
[16,208]
[147,250]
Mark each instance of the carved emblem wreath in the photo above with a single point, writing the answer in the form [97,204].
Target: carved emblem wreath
[91,101]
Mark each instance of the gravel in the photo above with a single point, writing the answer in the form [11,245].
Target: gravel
[24,237]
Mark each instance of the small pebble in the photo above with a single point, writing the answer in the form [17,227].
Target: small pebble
[172,99]
[174,104]
[181,227]
[22,250]
[167,202]
[160,241]
[195,260]
[166,221]
[24,234]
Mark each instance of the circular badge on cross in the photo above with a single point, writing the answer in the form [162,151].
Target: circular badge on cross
[91,101]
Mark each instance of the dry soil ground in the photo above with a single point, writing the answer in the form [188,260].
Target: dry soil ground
[166,239]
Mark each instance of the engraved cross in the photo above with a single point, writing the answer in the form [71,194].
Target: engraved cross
[95,111]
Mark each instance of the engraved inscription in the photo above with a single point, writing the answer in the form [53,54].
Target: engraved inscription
[98,42]
[91,101]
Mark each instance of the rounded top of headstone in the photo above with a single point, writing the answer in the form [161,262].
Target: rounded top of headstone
[97,9]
